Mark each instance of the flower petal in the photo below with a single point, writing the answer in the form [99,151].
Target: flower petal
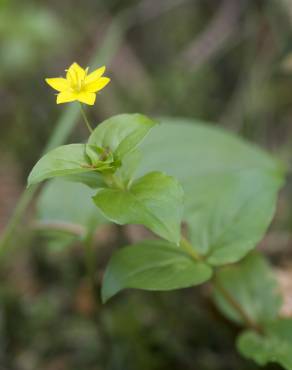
[97,85]
[75,73]
[58,84]
[66,97]
[86,97]
[95,75]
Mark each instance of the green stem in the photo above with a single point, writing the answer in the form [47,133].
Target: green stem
[189,249]
[237,307]
[85,119]
[113,181]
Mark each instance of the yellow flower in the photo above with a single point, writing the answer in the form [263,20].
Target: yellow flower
[79,85]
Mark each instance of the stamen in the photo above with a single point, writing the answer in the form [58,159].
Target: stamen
[77,80]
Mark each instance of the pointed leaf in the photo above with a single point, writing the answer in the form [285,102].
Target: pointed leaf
[92,179]
[229,213]
[155,201]
[274,346]
[62,161]
[230,185]
[152,265]
[121,133]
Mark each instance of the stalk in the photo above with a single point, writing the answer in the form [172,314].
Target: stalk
[84,116]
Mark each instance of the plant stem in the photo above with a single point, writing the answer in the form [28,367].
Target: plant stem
[113,181]
[189,249]
[237,307]
[85,119]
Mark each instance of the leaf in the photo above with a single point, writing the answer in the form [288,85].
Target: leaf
[62,161]
[75,211]
[253,286]
[233,215]
[102,160]
[130,165]
[230,185]
[92,179]
[152,265]
[274,346]
[155,201]
[121,133]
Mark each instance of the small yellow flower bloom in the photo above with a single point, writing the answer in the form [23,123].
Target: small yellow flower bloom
[79,85]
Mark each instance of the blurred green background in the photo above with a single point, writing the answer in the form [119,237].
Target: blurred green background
[225,61]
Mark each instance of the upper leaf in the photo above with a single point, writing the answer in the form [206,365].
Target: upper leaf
[230,186]
[155,200]
[64,160]
[108,144]
[253,286]
[152,265]
[121,133]
[92,179]
[274,346]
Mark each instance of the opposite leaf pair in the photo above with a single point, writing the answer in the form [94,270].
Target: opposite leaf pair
[106,163]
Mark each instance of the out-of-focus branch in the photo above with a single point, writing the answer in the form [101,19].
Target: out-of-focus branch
[256,72]
[125,64]
[215,35]
[288,6]
[129,71]
[149,9]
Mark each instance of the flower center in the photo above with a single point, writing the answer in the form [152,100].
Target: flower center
[77,82]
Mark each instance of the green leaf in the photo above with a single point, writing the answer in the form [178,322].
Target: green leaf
[121,133]
[75,211]
[251,283]
[230,212]
[92,179]
[155,201]
[274,346]
[230,185]
[152,265]
[62,161]
[130,165]
[110,142]
[101,159]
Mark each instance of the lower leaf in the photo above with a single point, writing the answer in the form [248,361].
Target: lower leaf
[152,265]
[154,200]
[252,285]
[274,346]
